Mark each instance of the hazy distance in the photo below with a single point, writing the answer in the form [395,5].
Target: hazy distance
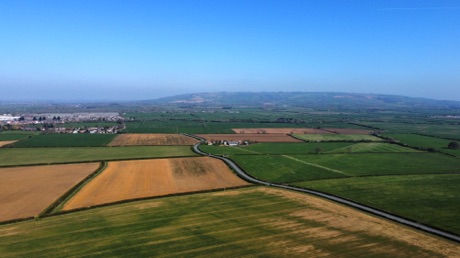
[132,50]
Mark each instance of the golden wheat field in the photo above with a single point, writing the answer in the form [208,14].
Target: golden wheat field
[27,191]
[124,180]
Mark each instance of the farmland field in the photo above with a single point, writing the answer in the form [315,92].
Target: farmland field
[337,137]
[136,179]
[250,137]
[26,191]
[3,143]
[425,142]
[253,221]
[279,130]
[439,129]
[386,163]
[307,148]
[430,199]
[372,147]
[12,137]
[66,140]
[152,139]
[196,126]
[23,156]
[283,169]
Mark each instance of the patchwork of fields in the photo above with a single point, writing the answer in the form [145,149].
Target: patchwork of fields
[254,221]
[337,137]
[25,156]
[336,158]
[341,166]
[249,137]
[27,191]
[137,179]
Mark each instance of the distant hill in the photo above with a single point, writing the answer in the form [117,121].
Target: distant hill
[302,99]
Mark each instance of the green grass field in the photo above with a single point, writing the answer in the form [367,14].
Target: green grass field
[430,199]
[436,129]
[386,163]
[237,223]
[337,137]
[425,142]
[66,140]
[23,156]
[367,147]
[194,126]
[15,135]
[282,169]
[276,148]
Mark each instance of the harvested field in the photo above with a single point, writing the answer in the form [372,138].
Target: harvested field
[3,143]
[136,179]
[253,137]
[152,139]
[279,131]
[26,191]
[249,222]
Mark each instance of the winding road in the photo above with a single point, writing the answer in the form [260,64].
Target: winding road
[337,199]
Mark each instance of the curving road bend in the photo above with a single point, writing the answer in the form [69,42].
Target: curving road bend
[337,199]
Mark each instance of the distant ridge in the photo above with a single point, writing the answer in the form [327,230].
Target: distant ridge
[339,100]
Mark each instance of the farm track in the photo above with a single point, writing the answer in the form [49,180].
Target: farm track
[337,199]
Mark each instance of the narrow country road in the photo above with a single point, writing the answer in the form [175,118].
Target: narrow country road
[337,199]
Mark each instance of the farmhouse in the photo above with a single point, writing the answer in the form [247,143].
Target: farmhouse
[233,143]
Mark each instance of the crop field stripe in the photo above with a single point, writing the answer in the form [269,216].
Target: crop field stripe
[316,165]
[284,224]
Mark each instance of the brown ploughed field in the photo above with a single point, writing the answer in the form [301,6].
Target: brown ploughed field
[3,143]
[269,137]
[151,139]
[124,180]
[279,131]
[27,191]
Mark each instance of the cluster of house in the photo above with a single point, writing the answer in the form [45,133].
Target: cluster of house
[91,130]
[228,143]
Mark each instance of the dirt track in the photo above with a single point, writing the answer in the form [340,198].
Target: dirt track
[27,191]
[136,179]
[151,139]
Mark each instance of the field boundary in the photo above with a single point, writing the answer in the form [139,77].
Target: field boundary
[74,190]
[142,199]
[63,197]
[94,161]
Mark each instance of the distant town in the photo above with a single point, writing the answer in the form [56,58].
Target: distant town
[101,123]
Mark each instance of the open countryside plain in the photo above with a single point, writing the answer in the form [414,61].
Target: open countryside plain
[27,191]
[256,221]
[137,179]
[152,139]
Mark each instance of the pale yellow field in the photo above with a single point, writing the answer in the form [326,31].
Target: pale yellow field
[123,180]
[152,139]
[3,143]
[27,191]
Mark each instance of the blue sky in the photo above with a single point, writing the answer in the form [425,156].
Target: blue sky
[128,50]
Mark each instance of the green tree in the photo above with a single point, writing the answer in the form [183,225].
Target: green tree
[453,145]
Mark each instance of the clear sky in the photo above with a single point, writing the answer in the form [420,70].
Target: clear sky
[133,49]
